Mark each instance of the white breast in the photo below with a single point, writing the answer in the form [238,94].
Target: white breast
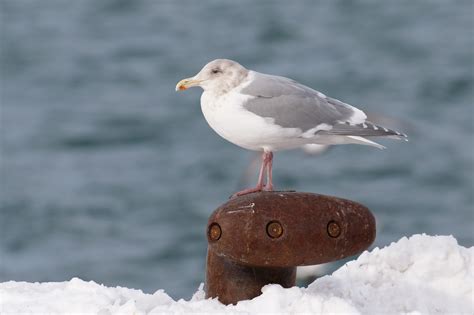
[232,122]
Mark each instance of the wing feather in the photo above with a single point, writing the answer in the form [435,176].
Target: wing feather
[366,129]
[293,105]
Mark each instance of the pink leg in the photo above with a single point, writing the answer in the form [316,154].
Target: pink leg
[269,185]
[261,174]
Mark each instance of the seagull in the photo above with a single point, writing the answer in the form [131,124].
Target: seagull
[268,113]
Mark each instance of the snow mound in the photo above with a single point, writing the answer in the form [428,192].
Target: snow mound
[417,275]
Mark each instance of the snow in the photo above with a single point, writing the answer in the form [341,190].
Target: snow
[417,275]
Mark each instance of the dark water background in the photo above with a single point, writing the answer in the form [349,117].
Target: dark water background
[108,174]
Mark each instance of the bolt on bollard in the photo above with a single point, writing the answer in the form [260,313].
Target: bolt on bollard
[261,238]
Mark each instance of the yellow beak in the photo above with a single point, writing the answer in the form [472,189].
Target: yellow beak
[186,83]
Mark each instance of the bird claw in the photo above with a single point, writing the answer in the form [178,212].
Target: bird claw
[246,192]
[269,188]
[251,190]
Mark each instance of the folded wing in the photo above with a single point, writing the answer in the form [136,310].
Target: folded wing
[293,105]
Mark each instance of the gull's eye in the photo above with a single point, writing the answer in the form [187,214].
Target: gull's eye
[216,71]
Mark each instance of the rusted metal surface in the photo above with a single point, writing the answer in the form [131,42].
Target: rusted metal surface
[260,238]
[232,282]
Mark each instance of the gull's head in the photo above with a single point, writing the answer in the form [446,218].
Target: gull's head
[218,76]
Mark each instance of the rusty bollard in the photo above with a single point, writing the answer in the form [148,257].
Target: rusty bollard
[260,238]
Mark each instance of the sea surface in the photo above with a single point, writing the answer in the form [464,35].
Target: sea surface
[108,174]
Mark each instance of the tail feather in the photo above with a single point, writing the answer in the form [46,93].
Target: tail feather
[364,141]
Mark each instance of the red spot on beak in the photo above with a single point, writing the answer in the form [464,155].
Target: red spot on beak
[182,88]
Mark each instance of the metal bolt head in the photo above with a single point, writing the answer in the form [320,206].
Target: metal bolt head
[214,232]
[274,229]
[334,230]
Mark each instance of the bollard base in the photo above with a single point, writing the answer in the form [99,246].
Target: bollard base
[242,282]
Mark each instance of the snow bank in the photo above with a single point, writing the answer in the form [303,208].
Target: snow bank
[417,275]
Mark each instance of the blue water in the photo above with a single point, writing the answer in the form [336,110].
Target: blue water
[108,174]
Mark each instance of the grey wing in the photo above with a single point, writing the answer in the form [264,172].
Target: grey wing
[293,105]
